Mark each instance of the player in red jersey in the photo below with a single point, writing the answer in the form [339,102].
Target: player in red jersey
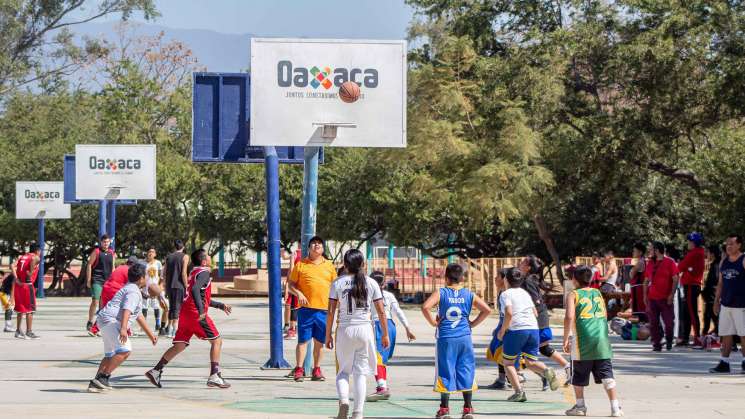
[24,293]
[193,320]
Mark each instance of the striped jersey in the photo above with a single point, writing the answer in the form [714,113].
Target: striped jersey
[454,312]
[590,326]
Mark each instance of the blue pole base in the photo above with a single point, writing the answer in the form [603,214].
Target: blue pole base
[276,364]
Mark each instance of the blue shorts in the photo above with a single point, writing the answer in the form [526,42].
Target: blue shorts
[545,335]
[455,365]
[385,354]
[520,342]
[311,323]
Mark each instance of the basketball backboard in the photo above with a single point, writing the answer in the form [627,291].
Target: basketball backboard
[36,200]
[295,99]
[69,180]
[115,171]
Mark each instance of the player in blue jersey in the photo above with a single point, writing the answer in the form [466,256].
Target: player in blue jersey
[454,361]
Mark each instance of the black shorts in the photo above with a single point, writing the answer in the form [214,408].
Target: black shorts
[600,369]
[175,298]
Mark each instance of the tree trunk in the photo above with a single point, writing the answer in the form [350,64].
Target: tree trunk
[545,235]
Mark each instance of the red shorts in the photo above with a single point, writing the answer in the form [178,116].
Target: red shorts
[25,298]
[292,301]
[189,326]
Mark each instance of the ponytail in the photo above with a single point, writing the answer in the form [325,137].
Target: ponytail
[353,261]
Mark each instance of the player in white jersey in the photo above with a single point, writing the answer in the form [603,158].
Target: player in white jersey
[153,272]
[382,392]
[354,296]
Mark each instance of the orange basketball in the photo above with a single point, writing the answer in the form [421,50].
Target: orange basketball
[349,92]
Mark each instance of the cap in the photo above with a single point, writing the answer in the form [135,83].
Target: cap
[696,238]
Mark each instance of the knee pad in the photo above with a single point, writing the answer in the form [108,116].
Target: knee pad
[546,351]
[609,383]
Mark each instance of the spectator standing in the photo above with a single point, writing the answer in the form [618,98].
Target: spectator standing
[609,279]
[714,256]
[176,277]
[659,289]
[691,278]
[638,308]
[729,302]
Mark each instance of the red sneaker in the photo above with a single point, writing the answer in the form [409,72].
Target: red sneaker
[467,413]
[317,375]
[298,374]
[291,334]
[93,331]
[443,413]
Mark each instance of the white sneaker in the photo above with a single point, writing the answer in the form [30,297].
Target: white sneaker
[216,380]
[20,335]
[357,415]
[616,413]
[154,376]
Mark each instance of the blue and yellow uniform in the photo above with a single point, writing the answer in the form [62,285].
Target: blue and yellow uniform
[455,361]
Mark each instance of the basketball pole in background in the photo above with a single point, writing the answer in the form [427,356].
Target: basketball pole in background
[308,225]
[102,205]
[111,224]
[40,280]
[276,348]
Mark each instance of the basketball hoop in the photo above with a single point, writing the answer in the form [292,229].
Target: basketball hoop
[329,128]
[42,213]
[114,191]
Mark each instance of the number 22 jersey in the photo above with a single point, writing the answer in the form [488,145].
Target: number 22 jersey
[590,326]
[454,312]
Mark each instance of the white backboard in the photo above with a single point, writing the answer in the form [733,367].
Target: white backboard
[41,200]
[295,89]
[115,171]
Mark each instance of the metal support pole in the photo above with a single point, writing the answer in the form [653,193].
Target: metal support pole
[40,280]
[390,256]
[111,225]
[101,218]
[259,262]
[276,357]
[308,228]
[369,256]
[221,261]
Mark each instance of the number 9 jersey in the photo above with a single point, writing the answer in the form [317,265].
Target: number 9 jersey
[590,326]
[455,364]
[454,311]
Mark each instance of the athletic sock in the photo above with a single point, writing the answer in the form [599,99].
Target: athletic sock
[162,363]
[581,403]
[615,405]
[502,374]
[156,313]
[360,388]
[467,399]
[342,387]
[444,400]
[381,383]
[214,367]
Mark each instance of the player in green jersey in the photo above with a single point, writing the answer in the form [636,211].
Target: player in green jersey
[586,320]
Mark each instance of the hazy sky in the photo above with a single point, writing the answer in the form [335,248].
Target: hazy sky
[382,19]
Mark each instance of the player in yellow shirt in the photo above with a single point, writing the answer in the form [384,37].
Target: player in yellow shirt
[310,280]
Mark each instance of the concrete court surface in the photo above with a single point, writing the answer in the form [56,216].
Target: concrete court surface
[49,377]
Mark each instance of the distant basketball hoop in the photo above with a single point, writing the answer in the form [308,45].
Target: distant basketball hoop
[328,129]
[114,191]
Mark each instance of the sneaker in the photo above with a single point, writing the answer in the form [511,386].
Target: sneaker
[216,380]
[20,335]
[291,334]
[467,413]
[343,411]
[381,393]
[357,415]
[104,381]
[31,335]
[162,331]
[154,376]
[698,343]
[577,411]
[317,375]
[668,346]
[616,413]
[657,349]
[298,374]
[553,380]
[9,328]
[497,385]
[95,387]
[443,413]
[93,330]
[681,343]
[544,384]
[518,397]
[721,368]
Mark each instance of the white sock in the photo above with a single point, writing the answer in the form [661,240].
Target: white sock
[615,405]
[580,402]
[342,387]
[381,383]
[360,389]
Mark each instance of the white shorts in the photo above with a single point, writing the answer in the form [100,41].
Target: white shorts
[111,343]
[151,303]
[731,321]
[355,349]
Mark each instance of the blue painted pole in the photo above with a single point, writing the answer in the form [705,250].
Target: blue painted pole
[111,225]
[221,261]
[390,256]
[259,263]
[308,226]
[40,280]
[101,218]
[276,357]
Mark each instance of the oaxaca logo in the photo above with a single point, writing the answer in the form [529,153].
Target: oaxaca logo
[95,163]
[326,77]
[41,195]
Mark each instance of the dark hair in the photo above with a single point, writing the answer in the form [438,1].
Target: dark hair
[640,247]
[378,276]
[178,244]
[715,250]
[658,245]
[316,239]
[135,272]
[198,256]
[608,252]
[104,237]
[503,272]
[454,273]
[583,275]
[515,277]
[341,271]
[535,264]
[33,247]
[737,237]
[353,261]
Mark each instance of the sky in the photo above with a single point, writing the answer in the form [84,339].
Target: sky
[372,19]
